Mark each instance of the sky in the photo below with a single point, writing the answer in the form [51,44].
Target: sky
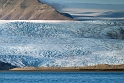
[89,9]
[89,1]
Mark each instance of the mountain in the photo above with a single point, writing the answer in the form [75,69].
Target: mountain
[29,10]
[6,66]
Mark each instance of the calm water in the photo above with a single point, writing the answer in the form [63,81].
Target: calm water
[61,77]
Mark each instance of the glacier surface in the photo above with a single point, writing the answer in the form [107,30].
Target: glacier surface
[61,43]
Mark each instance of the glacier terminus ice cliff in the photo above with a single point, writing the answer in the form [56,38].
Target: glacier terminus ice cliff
[61,43]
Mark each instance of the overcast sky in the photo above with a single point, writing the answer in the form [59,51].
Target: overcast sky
[89,9]
[89,1]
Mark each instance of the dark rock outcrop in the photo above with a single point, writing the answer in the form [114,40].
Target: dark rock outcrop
[28,10]
[6,66]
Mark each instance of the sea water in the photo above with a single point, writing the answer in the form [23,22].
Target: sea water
[61,77]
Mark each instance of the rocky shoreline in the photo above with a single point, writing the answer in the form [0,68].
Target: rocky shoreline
[100,67]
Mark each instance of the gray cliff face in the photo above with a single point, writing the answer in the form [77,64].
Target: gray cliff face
[6,66]
[28,10]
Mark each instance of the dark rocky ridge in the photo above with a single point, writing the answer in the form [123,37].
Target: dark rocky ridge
[6,66]
[29,10]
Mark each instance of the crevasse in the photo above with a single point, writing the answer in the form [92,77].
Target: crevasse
[61,43]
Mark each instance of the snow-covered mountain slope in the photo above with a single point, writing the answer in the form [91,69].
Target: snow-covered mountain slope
[61,43]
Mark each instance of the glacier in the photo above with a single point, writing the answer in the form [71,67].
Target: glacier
[61,43]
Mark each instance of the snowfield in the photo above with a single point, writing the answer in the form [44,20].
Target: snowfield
[61,43]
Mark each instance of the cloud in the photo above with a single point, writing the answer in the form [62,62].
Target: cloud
[95,14]
[87,13]
[56,6]
[96,6]
[112,14]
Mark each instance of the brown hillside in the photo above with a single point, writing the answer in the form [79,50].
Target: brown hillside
[28,10]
